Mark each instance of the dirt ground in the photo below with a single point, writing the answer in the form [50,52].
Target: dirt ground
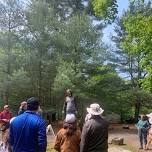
[130,136]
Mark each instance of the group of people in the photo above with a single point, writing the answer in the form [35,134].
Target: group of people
[27,131]
[94,135]
[144,127]
[92,138]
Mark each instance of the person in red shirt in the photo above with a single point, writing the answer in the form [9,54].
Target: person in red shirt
[6,114]
[5,117]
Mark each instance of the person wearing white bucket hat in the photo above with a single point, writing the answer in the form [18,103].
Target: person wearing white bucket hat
[94,135]
[95,109]
[149,118]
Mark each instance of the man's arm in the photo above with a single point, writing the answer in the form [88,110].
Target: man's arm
[84,138]
[42,140]
[64,107]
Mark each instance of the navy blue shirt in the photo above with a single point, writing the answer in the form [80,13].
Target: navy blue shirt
[28,133]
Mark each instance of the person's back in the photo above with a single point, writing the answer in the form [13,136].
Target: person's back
[68,138]
[97,134]
[94,137]
[28,133]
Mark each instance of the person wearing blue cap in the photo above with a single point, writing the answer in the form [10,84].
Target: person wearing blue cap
[28,130]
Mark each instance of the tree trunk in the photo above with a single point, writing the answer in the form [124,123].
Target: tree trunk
[6,94]
[137,109]
[5,98]
[50,94]
[40,81]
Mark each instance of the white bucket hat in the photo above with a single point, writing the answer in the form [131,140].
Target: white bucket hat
[95,109]
[149,118]
[149,115]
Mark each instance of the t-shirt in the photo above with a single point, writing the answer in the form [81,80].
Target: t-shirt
[6,115]
[143,124]
[71,107]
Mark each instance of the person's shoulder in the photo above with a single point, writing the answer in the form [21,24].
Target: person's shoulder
[78,132]
[39,118]
[12,119]
[105,120]
[21,116]
[107,123]
[42,120]
[88,123]
[3,112]
[16,119]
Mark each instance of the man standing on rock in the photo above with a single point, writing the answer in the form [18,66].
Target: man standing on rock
[70,104]
[94,136]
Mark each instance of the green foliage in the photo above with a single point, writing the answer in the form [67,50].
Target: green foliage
[66,78]
[104,84]
[134,50]
[105,9]
[80,38]
[50,46]
[11,18]
[138,41]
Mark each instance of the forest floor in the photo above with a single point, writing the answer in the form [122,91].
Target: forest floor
[131,141]
[130,136]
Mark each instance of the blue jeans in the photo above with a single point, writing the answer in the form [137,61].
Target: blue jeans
[142,133]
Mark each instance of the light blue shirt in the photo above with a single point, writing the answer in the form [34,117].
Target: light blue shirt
[143,124]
